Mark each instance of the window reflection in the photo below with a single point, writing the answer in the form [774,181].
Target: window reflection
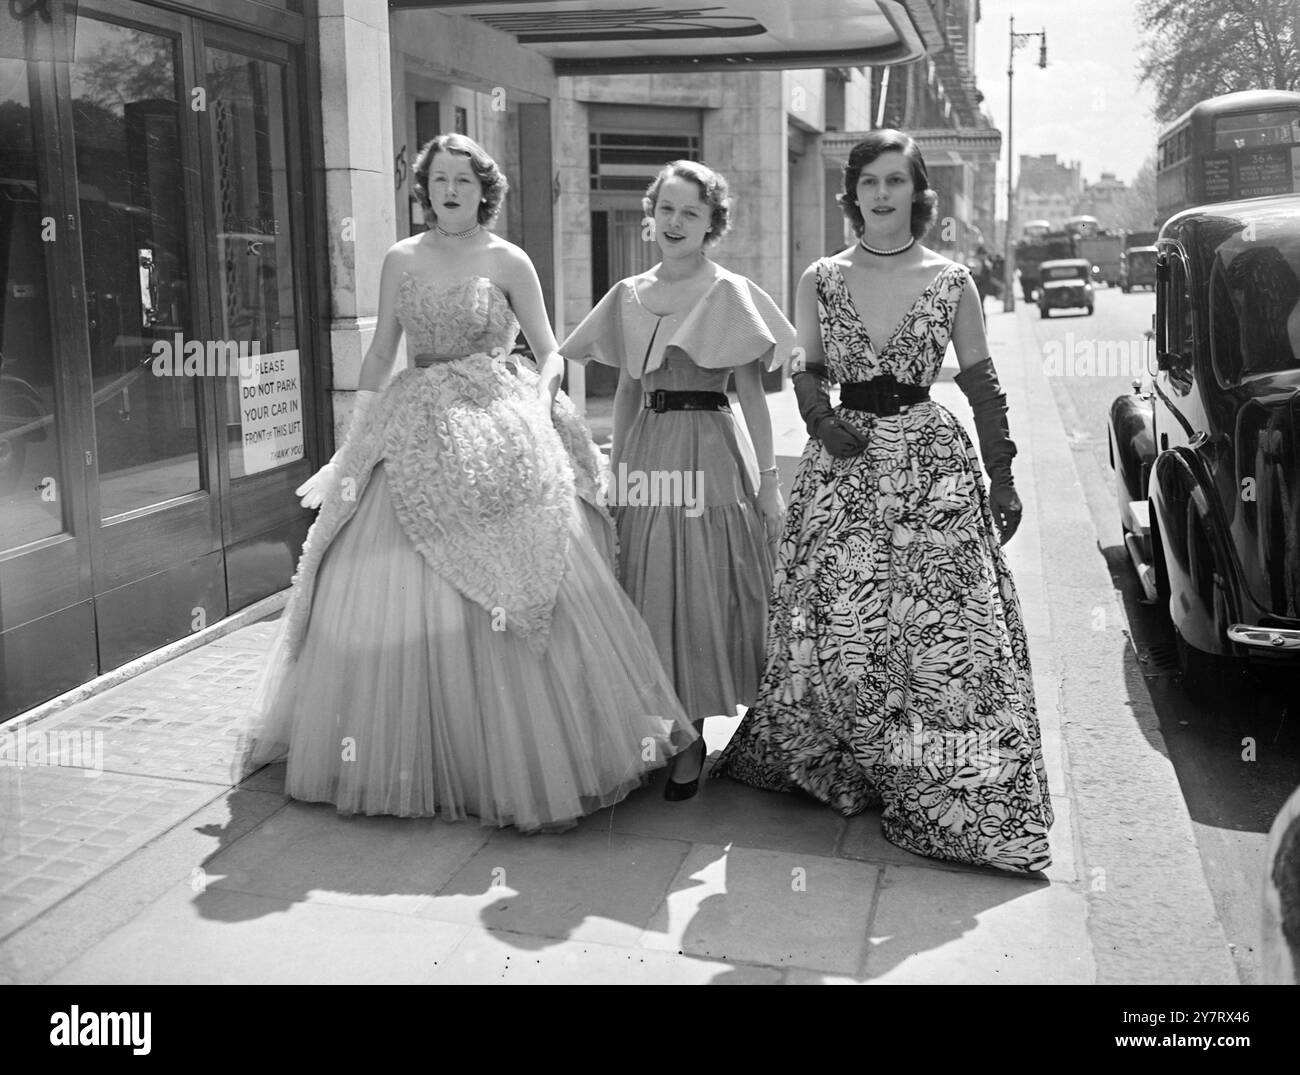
[255,257]
[131,189]
[1260,284]
[31,497]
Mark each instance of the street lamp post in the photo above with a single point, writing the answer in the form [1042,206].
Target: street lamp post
[1009,252]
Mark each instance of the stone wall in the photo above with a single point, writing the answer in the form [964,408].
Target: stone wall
[744,137]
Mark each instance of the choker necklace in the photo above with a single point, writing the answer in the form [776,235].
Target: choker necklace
[457,234]
[887,253]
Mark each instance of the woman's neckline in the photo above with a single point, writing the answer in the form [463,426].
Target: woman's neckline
[719,275]
[408,277]
[876,349]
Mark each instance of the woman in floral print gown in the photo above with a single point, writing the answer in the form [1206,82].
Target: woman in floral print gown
[897,669]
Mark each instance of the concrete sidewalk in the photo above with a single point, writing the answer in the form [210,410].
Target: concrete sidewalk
[157,870]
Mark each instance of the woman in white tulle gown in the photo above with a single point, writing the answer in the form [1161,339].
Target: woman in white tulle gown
[456,642]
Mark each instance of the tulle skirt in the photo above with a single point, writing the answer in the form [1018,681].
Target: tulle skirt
[409,699]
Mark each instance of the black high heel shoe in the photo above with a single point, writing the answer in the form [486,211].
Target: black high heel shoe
[675,792]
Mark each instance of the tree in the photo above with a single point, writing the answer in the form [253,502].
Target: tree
[1136,211]
[1194,49]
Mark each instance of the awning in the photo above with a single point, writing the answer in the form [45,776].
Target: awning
[630,36]
[941,145]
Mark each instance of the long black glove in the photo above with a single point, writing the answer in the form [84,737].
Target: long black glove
[989,402]
[839,438]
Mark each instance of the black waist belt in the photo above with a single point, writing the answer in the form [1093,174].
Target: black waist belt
[881,395]
[661,400]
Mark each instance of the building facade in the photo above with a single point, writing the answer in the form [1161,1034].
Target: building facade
[1047,189]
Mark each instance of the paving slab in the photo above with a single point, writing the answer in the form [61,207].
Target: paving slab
[488,957]
[771,908]
[589,885]
[967,929]
[220,937]
[308,852]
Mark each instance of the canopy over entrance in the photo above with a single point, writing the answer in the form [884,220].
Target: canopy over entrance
[633,36]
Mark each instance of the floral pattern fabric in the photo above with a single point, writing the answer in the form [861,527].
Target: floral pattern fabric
[897,669]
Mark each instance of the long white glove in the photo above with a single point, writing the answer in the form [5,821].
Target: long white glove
[322,484]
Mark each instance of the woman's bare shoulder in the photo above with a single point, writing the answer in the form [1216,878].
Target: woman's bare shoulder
[505,253]
[403,251]
[931,259]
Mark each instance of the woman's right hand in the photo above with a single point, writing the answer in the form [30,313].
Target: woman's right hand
[319,486]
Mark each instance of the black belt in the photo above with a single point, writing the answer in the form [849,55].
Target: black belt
[881,395]
[661,400]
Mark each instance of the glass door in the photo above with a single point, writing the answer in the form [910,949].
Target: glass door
[47,623]
[156,546]
[253,209]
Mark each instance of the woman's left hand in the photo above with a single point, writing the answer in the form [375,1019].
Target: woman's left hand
[771,507]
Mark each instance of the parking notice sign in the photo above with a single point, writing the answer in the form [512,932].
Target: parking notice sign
[270,411]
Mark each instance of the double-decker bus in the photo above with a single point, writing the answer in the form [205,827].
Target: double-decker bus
[1240,145]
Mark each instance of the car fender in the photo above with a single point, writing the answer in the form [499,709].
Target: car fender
[1196,551]
[1132,443]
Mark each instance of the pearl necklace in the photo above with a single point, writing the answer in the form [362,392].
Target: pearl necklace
[887,253]
[457,234]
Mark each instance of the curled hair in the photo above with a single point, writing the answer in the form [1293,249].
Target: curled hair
[491,177]
[925,202]
[713,190]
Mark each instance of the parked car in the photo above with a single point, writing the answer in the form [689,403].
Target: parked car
[1137,268]
[1066,284]
[1208,460]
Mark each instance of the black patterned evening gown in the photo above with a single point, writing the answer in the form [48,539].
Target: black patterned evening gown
[897,670]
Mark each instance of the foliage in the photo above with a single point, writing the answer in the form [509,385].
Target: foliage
[1136,210]
[1194,49]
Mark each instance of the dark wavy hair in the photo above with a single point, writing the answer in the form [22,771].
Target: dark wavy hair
[713,189]
[925,202]
[485,168]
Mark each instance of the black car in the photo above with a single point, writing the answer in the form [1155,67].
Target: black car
[1208,460]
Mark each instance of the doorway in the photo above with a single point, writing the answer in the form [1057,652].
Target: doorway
[153,385]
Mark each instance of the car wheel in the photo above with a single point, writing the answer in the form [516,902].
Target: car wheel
[1208,676]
